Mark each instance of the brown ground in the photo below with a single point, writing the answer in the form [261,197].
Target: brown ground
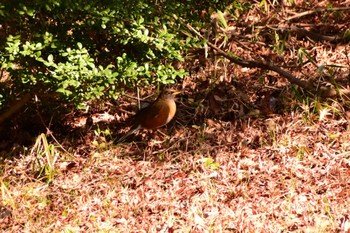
[247,151]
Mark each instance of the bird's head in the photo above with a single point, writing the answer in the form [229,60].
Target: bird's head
[168,94]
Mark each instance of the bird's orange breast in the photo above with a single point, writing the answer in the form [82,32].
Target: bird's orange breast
[163,114]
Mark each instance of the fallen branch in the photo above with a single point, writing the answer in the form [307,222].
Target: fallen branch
[323,91]
[16,106]
[305,13]
[254,64]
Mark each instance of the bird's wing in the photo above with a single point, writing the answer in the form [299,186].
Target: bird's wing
[152,112]
[155,116]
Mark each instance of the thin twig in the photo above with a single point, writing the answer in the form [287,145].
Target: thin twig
[310,12]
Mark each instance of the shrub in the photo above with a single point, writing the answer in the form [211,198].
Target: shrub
[89,49]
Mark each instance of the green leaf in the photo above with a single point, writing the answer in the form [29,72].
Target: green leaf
[210,163]
[50,58]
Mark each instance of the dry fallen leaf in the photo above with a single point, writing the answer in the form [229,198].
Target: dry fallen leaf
[213,103]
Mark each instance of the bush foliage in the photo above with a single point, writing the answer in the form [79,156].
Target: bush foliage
[89,49]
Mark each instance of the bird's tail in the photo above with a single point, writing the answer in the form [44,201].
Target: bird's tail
[133,129]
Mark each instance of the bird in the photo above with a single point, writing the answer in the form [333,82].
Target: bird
[157,114]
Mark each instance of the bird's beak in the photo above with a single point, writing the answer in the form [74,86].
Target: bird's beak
[176,92]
